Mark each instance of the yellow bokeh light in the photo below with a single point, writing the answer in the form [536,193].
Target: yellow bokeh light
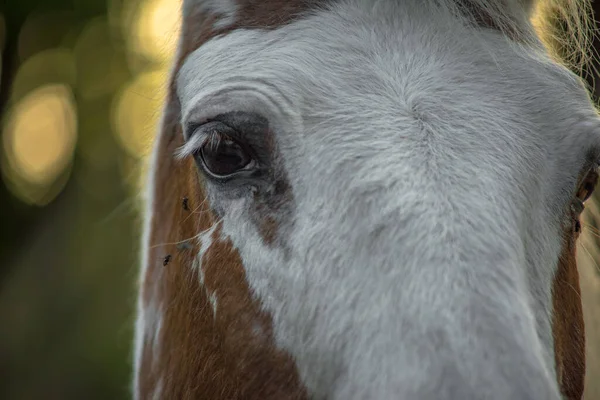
[136,112]
[156,28]
[54,65]
[101,70]
[40,135]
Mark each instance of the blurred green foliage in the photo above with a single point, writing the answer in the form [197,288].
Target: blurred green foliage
[67,281]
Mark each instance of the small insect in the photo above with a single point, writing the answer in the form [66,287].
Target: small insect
[185,204]
[166,260]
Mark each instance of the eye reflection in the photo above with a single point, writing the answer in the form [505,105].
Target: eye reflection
[222,156]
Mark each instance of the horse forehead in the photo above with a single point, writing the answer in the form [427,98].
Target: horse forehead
[341,61]
[333,35]
[329,48]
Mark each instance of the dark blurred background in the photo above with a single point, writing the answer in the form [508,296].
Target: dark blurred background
[81,84]
[80,92]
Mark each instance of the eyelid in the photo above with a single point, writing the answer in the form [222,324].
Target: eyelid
[249,130]
[196,139]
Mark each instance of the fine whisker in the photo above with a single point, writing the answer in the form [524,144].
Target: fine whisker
[195,211]
[196,236]
[591,258]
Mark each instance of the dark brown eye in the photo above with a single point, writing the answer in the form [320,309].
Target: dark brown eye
[222,157]
[587,186]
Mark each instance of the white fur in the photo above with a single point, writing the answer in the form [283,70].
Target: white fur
[213,302]
[430,181]
[205,240]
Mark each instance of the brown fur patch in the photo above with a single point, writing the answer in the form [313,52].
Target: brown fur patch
[200,354]
[567,324]
[272,13]
[270,209]
[268,230]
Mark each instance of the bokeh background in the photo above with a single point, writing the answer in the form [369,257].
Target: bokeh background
[80,92]
[81,85]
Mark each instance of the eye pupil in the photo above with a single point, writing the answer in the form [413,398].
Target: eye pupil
[224,157]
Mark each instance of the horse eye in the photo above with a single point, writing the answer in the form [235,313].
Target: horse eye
[586,189]
[222,157]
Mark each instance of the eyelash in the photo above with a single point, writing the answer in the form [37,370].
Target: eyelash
[213,139]
[195,142]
